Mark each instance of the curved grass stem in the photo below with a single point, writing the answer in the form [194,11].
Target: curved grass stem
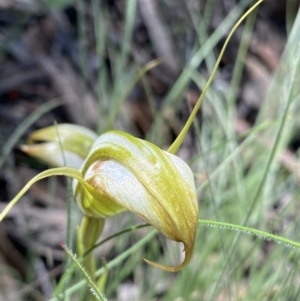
[243,229]
[93,287]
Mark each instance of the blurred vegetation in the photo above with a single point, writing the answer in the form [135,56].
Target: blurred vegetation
[78,62]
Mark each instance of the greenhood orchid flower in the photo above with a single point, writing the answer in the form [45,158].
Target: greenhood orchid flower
[121,172]
[134,174]
[60,145]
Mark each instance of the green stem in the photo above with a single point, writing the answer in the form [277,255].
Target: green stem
[93,287]
[130,229]
[207,223]
[88,233]
[177,143]
[69,272]
[116,261]
[69,206]
[262,234]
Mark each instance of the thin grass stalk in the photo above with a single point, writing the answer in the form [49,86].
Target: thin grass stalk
[176,144]
[139,75]
[68,273]
[175,93]
[252,231]
[93,287]
[214,197]
[70,202]
[201,23]
[81,28]
[292,75]
[116,261]
[120,66]
[100,29]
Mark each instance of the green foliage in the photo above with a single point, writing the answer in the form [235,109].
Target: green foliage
[57,4]
[241,177]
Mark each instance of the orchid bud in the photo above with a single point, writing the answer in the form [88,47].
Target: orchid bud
[61,145]
[126,173]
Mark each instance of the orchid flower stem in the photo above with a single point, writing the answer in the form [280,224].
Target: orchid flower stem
[261,234]
[88,233]
[177,143]
[69,272]
[116,261]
